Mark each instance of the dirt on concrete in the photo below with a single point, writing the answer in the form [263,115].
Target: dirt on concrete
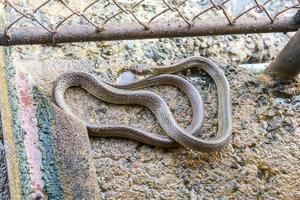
[260,162]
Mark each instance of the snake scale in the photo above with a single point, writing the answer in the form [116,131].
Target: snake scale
[131,94]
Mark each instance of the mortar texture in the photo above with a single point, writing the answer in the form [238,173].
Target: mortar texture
[260,162]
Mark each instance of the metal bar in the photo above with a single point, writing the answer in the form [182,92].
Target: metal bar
[287,64]
[84,33]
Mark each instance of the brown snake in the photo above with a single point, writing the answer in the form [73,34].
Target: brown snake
[127,94]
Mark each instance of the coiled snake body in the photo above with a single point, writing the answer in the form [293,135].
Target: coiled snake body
[128,94]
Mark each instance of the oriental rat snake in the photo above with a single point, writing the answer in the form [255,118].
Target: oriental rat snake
[130,94]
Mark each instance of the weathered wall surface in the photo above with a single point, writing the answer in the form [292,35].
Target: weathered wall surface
[4,189]
[260,162]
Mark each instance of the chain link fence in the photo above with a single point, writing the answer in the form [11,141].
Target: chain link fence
[52,21]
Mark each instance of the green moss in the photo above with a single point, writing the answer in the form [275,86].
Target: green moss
[46,121]
[17,128]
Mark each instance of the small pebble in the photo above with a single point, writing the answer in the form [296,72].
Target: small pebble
[126,77]
[270,113]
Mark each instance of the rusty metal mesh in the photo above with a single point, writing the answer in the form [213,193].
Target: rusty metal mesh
[51,15]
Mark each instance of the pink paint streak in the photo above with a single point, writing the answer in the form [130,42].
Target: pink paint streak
[31,138]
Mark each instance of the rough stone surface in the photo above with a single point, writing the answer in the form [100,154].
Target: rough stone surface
[4,189]
[260,162]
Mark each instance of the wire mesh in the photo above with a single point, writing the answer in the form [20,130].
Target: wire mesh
[53,15]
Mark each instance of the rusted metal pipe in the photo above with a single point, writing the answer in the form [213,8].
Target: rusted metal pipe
[84,33]
[287,64]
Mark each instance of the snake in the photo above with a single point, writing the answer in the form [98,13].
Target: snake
[131,93]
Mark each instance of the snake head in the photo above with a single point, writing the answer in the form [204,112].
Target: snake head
[140,69]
